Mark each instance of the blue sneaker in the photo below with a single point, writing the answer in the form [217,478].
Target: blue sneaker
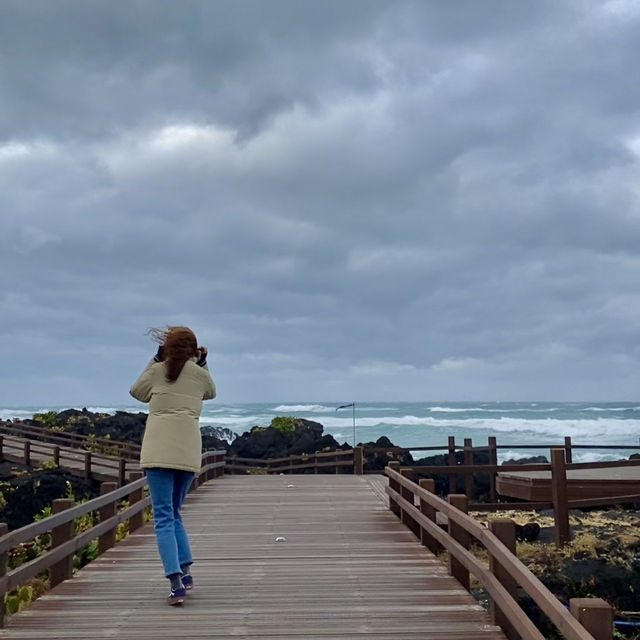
[176,596]
[187,581]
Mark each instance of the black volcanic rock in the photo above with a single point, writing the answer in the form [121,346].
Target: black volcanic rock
[378,460]
[529,460]
[26,492]
[216,438]
[269,442]
[481,480]
[122,426]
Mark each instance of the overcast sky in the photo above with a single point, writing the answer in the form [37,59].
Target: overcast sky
[345,200]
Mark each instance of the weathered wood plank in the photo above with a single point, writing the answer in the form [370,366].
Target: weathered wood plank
[345,569]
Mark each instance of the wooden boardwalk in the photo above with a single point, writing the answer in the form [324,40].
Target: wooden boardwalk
[277,557]
[581,483]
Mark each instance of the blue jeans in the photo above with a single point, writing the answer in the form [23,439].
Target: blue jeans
[168,488]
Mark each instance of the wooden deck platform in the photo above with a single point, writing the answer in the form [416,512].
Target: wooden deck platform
[535,486]
[277,557]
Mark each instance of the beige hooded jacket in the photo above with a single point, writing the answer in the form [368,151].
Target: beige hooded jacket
[172,437]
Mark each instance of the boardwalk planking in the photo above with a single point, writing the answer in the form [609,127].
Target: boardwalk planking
[347,569]
[581,483]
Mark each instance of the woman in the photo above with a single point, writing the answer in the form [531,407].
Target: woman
[174,384]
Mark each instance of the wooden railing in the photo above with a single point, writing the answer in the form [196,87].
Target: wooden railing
[64,542]
[339,461]
[468,449]
[560,502]
[117,448]
[79,462]
[587,618]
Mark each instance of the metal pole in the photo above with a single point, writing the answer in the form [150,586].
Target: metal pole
[354,424]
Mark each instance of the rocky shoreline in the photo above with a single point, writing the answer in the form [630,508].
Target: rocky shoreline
[603,559]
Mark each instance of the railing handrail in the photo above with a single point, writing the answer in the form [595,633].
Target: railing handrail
[534,588]
[30,531]
[38,527]
[464,468]
[10,580]
[68,437]
[294,456]
[38,446]
[484,447]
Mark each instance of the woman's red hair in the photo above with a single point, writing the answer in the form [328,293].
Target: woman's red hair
[178,345]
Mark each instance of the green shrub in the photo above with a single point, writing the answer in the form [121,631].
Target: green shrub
[285,424]
[47,464]
[48,419]
[12,604]
[256,471]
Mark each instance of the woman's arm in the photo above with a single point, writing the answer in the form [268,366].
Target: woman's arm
[210,387]
[141,388]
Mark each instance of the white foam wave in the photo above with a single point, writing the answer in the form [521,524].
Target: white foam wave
[10,414]
[491,410]
[316,408]
[592,455]
[232,421]
[608,428]
[595,456]
[110,410]
[511,454]
[611,409]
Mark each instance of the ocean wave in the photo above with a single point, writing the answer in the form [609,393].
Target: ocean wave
[611,409]
[110,410]
[231,421]
[10,414]
[582,428]
[491,410]
[510,454]
[592,455]
[315,408]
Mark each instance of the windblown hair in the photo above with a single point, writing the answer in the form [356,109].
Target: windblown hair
[178,345]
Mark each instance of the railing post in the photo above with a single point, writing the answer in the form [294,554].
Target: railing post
[136,520]
[220,471]
[122,471]
[27,453]
[195,484]
[56,455]
[459,534]
[315,462]
[567,450]
[1,449]
[505,530]
[562,532]
[4,529]
[393,484]
[493,459]
[62,570]
[87,465]
[108,539]
[468,461]
[595,615]
[428,484]
[451,461]
[357,460]
[407,494]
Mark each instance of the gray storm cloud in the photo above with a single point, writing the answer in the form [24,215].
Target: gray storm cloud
[415,200]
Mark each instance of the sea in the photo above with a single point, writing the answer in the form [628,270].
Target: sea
[540,425]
